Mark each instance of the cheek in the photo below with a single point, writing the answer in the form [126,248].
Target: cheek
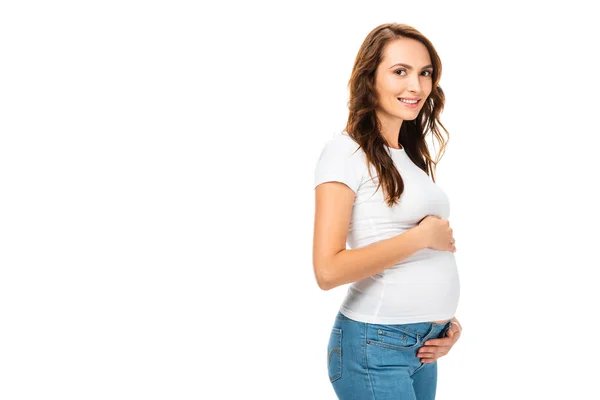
[393,86]
[428,87]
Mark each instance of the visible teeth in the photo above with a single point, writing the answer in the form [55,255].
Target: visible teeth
[408,101]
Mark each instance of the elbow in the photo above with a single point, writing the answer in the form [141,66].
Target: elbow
[324,278]
[324,285]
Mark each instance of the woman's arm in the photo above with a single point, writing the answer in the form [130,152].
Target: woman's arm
[333,264]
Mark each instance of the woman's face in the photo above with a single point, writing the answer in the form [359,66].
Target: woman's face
[413,80]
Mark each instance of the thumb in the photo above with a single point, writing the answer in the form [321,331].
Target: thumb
[450,332]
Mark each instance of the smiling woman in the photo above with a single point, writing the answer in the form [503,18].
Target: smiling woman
[375,191]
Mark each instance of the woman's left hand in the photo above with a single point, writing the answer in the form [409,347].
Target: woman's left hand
[436,348]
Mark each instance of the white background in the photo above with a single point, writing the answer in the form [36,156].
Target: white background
[157,199]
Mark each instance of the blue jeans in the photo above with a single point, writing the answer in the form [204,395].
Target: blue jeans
[376,362]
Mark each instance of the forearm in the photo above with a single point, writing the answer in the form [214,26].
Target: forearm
[353,265]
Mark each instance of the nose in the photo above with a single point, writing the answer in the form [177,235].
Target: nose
[414,84]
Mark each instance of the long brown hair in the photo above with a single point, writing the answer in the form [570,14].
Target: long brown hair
[365,128]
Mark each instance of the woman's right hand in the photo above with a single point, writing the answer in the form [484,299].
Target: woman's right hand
[437,233]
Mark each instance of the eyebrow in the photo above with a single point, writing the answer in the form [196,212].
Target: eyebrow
[410,67]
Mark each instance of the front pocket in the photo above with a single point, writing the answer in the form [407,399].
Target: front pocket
[334,354]
[394,338]
[444,331]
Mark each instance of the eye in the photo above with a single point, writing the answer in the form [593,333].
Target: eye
[429,73]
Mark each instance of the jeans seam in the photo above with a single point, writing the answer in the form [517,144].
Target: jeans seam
[419,368]
[366,361]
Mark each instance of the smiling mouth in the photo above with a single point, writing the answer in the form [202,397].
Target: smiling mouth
[408,101]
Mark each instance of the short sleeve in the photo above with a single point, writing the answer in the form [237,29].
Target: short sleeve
[339,162]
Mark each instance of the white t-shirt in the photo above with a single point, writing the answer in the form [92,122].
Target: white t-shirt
[422,287]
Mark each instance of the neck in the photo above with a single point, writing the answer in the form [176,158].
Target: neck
[390,130]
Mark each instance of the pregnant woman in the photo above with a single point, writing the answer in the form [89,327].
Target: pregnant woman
[375,190]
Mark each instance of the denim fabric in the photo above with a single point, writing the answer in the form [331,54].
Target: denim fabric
[379,362]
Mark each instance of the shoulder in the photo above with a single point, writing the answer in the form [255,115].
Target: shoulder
[341,160]
[343,145]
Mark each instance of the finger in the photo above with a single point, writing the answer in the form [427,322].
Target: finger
[433,357]
[454,335]
[428,360]
[427,352]
[438,352]
[430,348]
[433,349]
[447,341]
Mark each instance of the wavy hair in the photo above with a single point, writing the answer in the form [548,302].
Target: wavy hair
[364,126]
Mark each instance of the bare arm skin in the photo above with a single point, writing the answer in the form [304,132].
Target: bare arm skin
[333,264]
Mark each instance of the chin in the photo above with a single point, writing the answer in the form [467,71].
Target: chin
[410,117]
